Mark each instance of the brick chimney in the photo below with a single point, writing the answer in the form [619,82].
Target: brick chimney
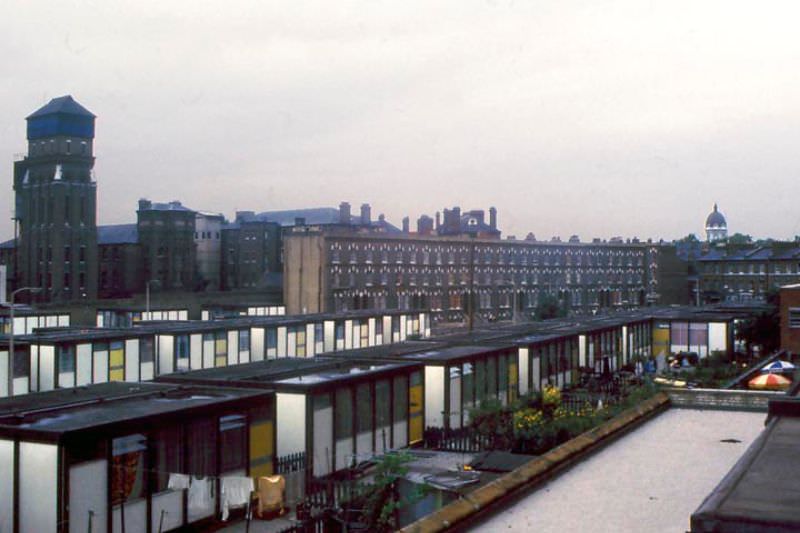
[366,215]
[493,218]
[344,213]
[405,224]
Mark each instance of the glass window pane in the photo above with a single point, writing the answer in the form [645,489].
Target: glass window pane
[344,414]
[364,403]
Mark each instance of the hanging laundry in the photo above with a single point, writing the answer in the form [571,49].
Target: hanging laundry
[178,482]
[200,494]
[235,492]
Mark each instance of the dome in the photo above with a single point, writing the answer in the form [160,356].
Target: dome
[716,220]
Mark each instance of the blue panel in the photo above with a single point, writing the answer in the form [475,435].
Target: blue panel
[61,124]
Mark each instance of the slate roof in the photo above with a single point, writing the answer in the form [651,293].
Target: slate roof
[757,253]
[117,234]
[63,105]
[315,216]
[9,244]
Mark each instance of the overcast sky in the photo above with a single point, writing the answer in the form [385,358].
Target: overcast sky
[593,118]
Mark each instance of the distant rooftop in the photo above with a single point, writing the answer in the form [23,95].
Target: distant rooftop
[65,105]
[117,234]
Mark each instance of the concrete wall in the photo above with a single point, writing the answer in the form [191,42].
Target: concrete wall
[734,400]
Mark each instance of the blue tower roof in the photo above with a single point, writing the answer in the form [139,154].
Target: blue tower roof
[61,116]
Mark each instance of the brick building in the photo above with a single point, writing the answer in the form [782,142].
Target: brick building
[748,272]
[166,235]
[328,269]
[55,204]
[790,318]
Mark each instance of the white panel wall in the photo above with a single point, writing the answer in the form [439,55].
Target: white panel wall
[38,486]
[88,491]
[371,331]
[83,362]
[348,334]
[172,503]
[281,342]
[166,354]
[47,367]
[6,484]
[257,344]
[290,417]
[581,350]
[132,360]
[100,366]
[536,373]
[323,440]
[310,341]
[455,400]
[135,517]
[233,347]
[434,396]
[717,336]
[196,351]
[522,369]
[291,344]
[34,376]
[208,353]
[4,369]
[330,336]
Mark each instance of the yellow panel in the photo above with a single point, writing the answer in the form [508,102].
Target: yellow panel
[261,448]
[221,360]
[117,358]
[415,429]
[415,399]
[116,375]
[221,347]
[513,374]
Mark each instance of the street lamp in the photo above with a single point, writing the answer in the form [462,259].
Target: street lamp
[33,290]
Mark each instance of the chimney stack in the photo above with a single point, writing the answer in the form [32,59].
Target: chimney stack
[493,218]
[405,224]
[438,220]
[366,215]
[344,213]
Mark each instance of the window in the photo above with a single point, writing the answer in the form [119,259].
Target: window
[232,435]
[146,352]
[272,339]
[244,340]
[22,362]
[344,414]
[167,454]
[202,454]
[128,468]
[182,352]
[400,394]
[364,407]
[69,147]
[794,317]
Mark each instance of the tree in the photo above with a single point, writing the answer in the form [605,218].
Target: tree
[549,307]
[382,499]
[763,330]
[689,238]
[740,238]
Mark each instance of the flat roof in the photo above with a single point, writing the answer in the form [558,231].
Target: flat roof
[50,415]
[649,479]
[456,353]
[81,334]
[291,373]
[761,492]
